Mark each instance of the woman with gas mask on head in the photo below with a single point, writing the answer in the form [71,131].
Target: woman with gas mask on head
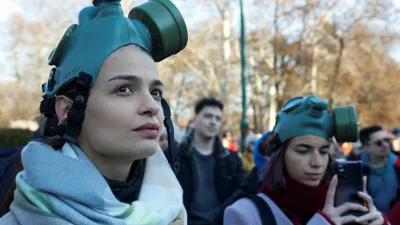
[104,98]
[299,185]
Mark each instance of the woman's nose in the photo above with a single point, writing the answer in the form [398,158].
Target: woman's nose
[316,159]
[149,106]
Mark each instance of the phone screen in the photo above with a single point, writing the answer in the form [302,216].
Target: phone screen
[350,181]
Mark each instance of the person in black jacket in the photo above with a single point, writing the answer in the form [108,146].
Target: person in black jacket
[208,173]
[10,166]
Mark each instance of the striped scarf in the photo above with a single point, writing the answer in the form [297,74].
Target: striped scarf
[64,187]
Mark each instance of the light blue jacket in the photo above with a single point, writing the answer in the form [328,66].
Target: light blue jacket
[245,212]
[382,183]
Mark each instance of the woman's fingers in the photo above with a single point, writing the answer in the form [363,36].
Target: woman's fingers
[379,221]
[368,200]
[367,217]
[347,219]
[351,207]
[330,195]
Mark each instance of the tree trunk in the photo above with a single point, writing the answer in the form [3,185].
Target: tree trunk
[226,53]
[272,86]
[272,107]
[255,115]
[336,74]
[314,67]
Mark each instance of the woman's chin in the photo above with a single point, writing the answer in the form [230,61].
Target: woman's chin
[147,150]
[134,152]
[311,183]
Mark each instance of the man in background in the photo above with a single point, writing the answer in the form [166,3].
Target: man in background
[380,165]
[209,173]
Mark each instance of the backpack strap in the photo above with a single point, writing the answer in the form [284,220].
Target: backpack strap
[265,212]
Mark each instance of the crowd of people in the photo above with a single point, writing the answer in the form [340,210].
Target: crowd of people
[282,171]
[109,153]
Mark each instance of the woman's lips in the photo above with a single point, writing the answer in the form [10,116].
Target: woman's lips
[148,129]
[314,176]
[148,132]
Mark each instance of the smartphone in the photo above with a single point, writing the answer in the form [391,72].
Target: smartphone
[350,181]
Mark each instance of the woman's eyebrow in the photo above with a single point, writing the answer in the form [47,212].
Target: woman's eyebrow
[135,79]
[309,146]
[127,77]
[304,145]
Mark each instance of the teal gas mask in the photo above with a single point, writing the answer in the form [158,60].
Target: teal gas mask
[310,116]
[156,26]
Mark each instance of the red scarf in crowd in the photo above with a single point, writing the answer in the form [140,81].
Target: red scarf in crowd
[299,202]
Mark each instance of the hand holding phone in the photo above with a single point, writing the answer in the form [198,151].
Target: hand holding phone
[350,182]
[336,213]
[373,216]
[346,196]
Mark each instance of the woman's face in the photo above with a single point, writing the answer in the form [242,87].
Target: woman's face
[124,114]
[307,158]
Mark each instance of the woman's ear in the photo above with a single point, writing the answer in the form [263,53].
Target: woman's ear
[63,104]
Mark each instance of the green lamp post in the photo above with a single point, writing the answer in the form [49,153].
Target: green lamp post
[244,124]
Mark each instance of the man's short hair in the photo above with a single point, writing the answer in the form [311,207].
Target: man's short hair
[210,102]
[366,133]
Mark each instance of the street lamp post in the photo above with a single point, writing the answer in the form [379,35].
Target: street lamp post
[244,124]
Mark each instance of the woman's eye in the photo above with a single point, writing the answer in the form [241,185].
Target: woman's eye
[324,152]
[302,151]
[124,89]
[157,93]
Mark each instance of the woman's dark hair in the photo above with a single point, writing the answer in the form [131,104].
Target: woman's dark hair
[263,146]
[70,91]
[275,171]
[55,142]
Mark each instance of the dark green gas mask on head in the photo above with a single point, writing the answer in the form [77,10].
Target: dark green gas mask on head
[156,26]
[310,116]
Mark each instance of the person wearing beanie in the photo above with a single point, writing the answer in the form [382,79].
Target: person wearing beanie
[260,159]
[247,156]
[104,101]
[298,186]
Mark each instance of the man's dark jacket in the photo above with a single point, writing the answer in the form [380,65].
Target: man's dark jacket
[228,175]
